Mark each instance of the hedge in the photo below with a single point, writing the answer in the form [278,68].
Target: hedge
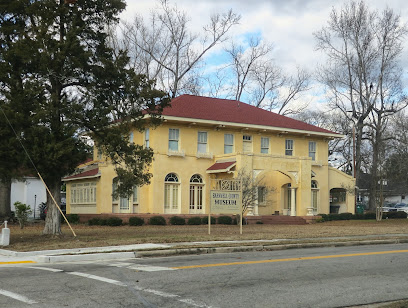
[157,221]
[367,215]
[194,220]
[177,221]
[224,220]
[204,220]
[72,218]
[136,221]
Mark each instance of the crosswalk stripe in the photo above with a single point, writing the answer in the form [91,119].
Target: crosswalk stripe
[18,297]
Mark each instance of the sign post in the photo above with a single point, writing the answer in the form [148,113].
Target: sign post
[225,198]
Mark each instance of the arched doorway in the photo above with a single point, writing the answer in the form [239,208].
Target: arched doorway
[196,194]
[171,194]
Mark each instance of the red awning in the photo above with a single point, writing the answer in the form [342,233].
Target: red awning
[93,173]
[221,167]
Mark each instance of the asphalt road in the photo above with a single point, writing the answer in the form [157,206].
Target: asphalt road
[318,277]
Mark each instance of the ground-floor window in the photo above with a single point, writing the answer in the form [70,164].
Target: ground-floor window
[196,194]
[171,193]
[124,202]
[315,196]
[83,193]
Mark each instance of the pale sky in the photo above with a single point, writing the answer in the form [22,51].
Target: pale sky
[288,24]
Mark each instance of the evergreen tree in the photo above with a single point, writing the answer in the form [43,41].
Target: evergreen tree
[60,80]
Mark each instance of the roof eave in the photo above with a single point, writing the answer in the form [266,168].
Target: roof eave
[252,126]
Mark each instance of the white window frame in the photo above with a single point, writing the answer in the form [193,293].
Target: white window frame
[289,145]
[312,150]
[174,138]
[83,193]
[196,197]
[172,194]
[315,196]
[202,140]
[261,195]
[228,144]
[147,138]
[265,145]
[246,141]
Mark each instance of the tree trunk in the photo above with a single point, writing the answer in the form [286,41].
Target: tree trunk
[5,196]
[53,218]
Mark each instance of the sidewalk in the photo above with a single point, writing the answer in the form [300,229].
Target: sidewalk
[9,257]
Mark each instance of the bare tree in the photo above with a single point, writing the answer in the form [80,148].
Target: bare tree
[362,48]
[166,50]
[264,83]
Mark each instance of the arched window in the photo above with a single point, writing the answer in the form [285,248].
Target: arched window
[196,194]
[315,196]
[171,193]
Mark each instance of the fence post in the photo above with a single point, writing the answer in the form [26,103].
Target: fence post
[5,235]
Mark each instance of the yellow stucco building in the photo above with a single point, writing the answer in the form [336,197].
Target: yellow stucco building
[205,138]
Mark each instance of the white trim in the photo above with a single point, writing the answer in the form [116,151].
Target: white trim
[82,178]
[253,126]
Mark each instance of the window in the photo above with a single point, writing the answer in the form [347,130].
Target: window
[312,150]
[202,142]
[247,143]
[131,135]
[173,139]
[196,194]
[228,143]
[147,138]
[261,195]
[315,192]
[99,154]
[171,193]
[135,197]
[84,193]
[289,147]
[264,145]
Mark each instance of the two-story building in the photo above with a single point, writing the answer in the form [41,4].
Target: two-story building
[205,138]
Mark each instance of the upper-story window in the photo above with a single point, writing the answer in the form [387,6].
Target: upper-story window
[173,139]
[147,138]
[312,150]
[228,143]
[131,136]
[247,143]
[202,142]
[264,145]
[289,147]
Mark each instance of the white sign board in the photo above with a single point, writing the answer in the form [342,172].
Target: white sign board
[225,202]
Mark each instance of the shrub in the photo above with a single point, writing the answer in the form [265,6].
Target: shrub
[157,221]
[73,218]
[136,221]
[259,223]
[369,215]
[395,215]
[95,221]
[224,220]
[345,216]
[22,213]
[114,221]
[177,221]
[194,220]
[204,220]
[103,221]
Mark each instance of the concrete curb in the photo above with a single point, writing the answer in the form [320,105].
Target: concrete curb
[114,254]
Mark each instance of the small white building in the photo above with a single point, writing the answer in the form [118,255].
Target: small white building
[29,190]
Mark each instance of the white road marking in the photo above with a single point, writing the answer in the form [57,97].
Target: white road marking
[55,270]
[18,297]
[120,264]
[103,279]
[149,268]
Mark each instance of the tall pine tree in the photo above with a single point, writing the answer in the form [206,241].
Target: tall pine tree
[60,80]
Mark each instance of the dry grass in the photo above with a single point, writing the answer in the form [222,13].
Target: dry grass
[30,237]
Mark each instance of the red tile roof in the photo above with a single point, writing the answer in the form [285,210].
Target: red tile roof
[223,110]
[222,166]
[88,173]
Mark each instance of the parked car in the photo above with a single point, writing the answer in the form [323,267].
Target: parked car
[401,207]
[389,207]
